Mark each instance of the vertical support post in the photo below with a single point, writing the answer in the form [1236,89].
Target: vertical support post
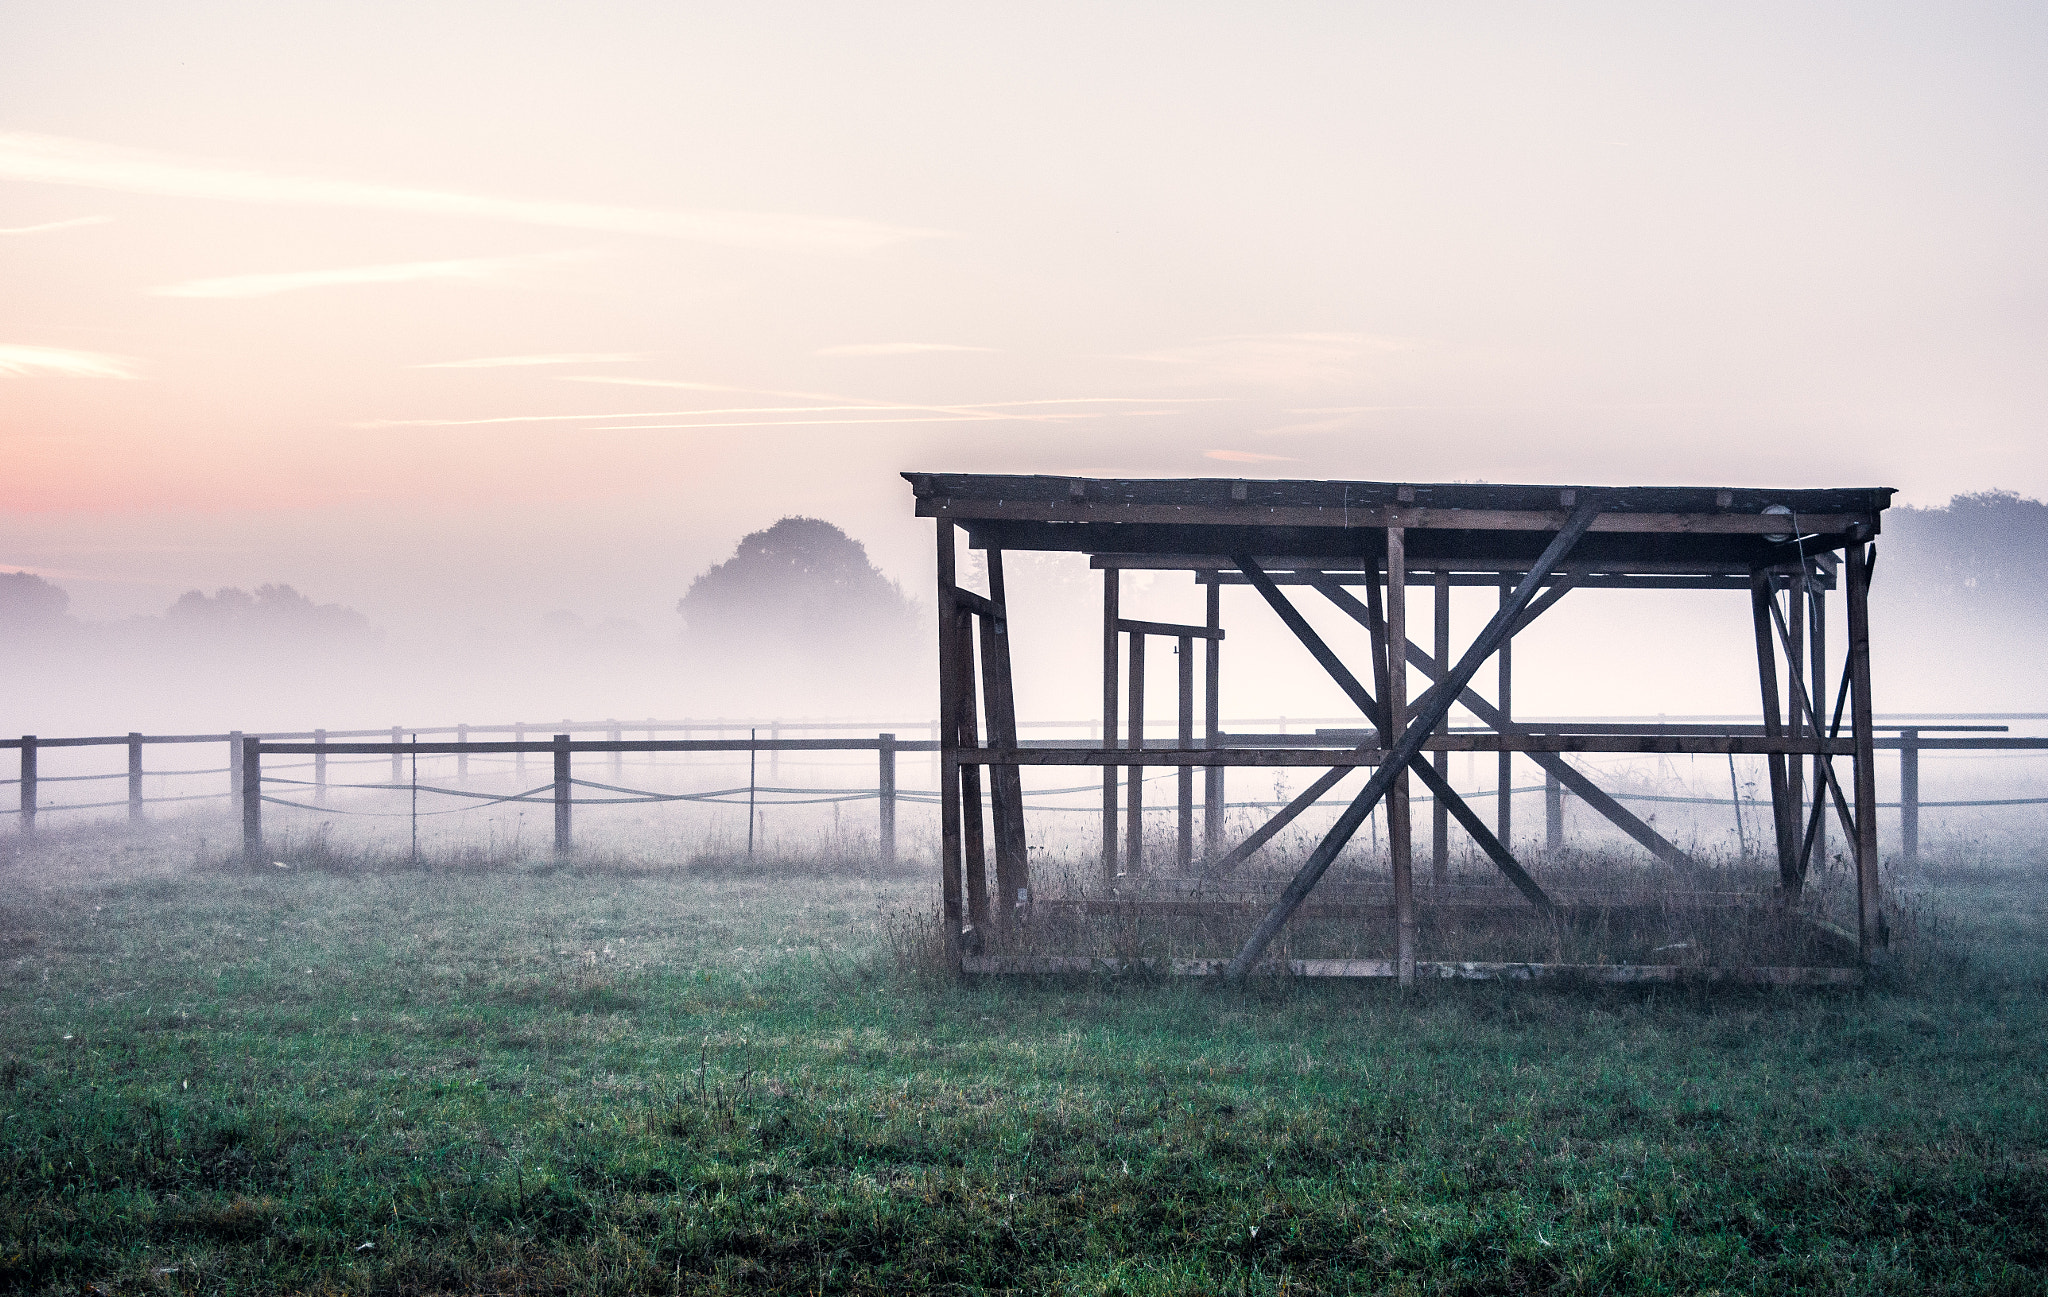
[1112,589]
[885,798]
[397,759]
[1399,826]
[1005,783]
[1504,809]
[252,802]
[946,733]
[1795,684]
[1760,597]
[28,785]
[1816,651]
[235,771]
[1134,799]
[1440,811]
[1869,912]
[134,777]
[1553,812]
[967,728]
[618,757]
[1212,776]
[562,840]
[462,758]
[320,765]
[1185,737]
[1909,795]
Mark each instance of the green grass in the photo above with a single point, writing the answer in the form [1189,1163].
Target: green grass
[626,1081]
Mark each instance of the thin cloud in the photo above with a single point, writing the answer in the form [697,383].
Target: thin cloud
[894,348]
[559,358]
[70,224]
[55,362]
[1247,457]
[56,160]
[474,270]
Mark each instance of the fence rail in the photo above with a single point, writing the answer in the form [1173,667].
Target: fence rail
[247,753]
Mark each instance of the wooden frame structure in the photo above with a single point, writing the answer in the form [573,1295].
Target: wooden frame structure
[1534,543]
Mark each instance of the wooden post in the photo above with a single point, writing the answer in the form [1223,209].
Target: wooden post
[1185,736]
[1553,812]
[618,757]
[562,840]
[1795,713]
[1909,795]
[397,757]
[235,770]
[28,785]
[967,731]
[1869,911]
[885,799]
[1112,584]
[1398,823]
[1134,798]
[1760,597]
[1816,650]
[134,777]
[462,758]
[1504,810]
[319,766]
[252,802]
[1440,811]
[1005,783]
[947,734]
[1213,803]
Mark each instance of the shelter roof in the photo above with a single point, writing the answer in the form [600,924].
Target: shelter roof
[1654,535]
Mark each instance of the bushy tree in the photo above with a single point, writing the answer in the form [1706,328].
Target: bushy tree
[800,590]
[1984,552]
[32,608]
[272,613]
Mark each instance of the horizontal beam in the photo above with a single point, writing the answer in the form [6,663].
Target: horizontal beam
[974,603]
[1171,629]
[1698,744]
[1618,974]
[1381,517]
[604,745]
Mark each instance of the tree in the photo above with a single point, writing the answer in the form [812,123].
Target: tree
[1984,552]
[800,591]
[31,607]
[274,613]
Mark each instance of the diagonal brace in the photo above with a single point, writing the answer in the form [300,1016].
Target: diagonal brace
[1567,774]
[1409,747]
[1349,683]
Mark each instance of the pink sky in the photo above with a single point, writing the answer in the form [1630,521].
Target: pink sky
[454,311]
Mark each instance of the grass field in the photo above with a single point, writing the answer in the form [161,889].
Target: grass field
[626,1080]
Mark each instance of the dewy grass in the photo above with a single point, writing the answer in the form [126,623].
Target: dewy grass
[627,1078]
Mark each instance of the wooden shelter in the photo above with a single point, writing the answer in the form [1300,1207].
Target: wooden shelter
[1339,540]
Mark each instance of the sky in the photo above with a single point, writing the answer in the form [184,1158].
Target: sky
[462,313]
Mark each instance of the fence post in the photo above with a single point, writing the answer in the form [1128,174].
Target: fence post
[397,758]
[235,770]
[561,797]
[320,766]
[134,777]
[462,758]
[1909,794]
[885,788]
[1553,812]
[252,802]
[28,785]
